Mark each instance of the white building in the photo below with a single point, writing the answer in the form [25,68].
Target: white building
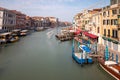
[7,20]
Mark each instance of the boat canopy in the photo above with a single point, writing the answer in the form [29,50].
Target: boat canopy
[85,48]
[4,34]
[24,31]
[16,30]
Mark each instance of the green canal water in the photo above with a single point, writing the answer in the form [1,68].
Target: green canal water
[39,57]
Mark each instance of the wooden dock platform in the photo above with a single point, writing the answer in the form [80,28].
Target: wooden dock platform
[95,55]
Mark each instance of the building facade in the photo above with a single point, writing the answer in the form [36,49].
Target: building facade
[104,23]
[111,28]
[96,24]
[7,20]
[20,20]
[37,21]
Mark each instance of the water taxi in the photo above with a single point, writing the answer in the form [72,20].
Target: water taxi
[16,32]
[5,37]
[110,66]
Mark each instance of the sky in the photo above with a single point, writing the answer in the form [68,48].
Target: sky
[65,10]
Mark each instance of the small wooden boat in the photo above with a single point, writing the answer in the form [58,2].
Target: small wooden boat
[14,39]
[110,67]
[5,37]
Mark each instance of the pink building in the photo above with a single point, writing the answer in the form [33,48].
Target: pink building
[20,20]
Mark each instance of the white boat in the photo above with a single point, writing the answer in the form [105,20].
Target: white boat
[24,32]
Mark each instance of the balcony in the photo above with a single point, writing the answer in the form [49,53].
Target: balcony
[114,40]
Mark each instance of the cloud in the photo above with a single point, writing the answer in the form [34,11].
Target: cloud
[64,9]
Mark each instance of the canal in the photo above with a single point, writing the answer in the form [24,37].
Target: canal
[40,57]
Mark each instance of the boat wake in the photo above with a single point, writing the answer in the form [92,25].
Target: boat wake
[50,33]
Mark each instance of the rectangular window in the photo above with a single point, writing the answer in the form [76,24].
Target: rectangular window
[116,33]
[111,21]
[115,21]
[10,15]
[113,33]
[108,13]
[113,2]
[98,30]
[119,11]
[104,22]
[104,32]
[108,32]
[104,14]
[108,22]
[114,11]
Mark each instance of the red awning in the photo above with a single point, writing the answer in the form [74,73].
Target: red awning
[90,35]
[78,32]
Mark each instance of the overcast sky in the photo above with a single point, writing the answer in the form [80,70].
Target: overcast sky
[63,9]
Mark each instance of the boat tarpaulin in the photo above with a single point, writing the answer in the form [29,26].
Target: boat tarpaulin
[85,48]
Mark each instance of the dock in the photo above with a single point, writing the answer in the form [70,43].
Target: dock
[65,36]
[95,55]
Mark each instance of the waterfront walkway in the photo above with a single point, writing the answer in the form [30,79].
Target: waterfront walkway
[101,50]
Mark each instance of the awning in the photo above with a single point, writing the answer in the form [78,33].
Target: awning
[78,32]
[90,35]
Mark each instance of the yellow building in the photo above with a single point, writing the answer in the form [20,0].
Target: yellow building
[110,28]
[77,19]
[104,23]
